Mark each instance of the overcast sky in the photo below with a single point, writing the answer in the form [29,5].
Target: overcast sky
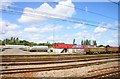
[62,21]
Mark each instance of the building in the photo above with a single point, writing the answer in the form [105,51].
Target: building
[62,48]
[69,48]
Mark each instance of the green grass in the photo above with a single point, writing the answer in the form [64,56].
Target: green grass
[6,66]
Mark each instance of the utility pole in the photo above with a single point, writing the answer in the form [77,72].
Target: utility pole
[5,34]
[53,34]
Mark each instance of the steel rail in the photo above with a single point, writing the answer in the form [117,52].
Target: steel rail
[50,62]
[24,70]
[103,76]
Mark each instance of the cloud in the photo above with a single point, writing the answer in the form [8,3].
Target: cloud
[31,29]
[83,35]
[7,26]
[68,27]
[78,34]
[16,33]
[45,12]
[5,3]
[49,27]
[115,35]
[112,42]
[12,27]
[104,27]
[100,30]
[60,9]
[81,26]
[44,29]
[8,29]
[41,34]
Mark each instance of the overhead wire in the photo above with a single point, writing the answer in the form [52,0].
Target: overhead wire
[42,12]
[114,2]
[53,17]
[88,11]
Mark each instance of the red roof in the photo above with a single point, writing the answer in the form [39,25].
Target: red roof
[61,46]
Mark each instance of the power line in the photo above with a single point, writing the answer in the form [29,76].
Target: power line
[36,16]
[31,15]
[88,11]
[114,2]
[54,15]
[42,12]
[13,11]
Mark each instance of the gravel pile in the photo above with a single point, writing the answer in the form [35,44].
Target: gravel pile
[14,52]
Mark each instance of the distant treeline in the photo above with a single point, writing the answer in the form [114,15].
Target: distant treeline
[17,41]
[86,42]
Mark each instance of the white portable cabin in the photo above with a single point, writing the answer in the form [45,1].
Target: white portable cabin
[17,47]
[14,46]
[39,48]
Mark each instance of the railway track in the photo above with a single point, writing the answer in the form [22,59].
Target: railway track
[51,62]
[58,55]
[24,60]
[39,69]
[53,59]
[29,58]
[105,68]
[109,75]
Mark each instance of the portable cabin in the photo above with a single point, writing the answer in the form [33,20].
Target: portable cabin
[23,47]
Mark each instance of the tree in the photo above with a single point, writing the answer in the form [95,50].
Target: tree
[82,43]
[89,42]
[7,41]
[107,46]
[101,46]
[14,40]
[73,41]
[94,42]
[17,41]
[11,38]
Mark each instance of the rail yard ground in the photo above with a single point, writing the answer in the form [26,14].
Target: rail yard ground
[21,64]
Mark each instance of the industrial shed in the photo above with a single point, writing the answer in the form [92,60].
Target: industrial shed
[62,48]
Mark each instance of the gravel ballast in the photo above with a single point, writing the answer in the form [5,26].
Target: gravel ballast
[74,72]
